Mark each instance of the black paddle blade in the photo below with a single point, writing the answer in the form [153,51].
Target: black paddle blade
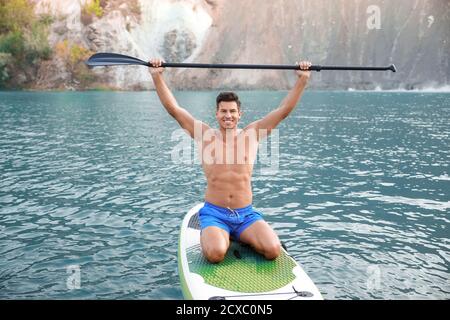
[393,68]
[113,59]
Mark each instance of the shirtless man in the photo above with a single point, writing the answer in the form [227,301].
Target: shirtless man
[228,155]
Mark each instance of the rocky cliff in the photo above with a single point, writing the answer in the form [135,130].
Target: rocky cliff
[413,34]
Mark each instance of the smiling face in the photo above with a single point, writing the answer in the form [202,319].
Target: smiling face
[228,114]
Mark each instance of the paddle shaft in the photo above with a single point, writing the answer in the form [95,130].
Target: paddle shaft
[266,66]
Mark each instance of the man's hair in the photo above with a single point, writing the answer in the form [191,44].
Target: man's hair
[228,96]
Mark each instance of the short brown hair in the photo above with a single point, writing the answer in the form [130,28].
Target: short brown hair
[228,96]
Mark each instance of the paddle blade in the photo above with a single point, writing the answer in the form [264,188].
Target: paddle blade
[113,59]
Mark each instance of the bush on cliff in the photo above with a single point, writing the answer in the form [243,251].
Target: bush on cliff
[23,42]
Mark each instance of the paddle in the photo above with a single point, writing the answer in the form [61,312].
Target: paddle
[113,59]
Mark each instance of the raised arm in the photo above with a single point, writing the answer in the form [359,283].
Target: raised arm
[265,125]
[183,117]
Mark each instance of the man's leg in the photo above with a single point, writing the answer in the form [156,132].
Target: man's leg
[215,242]
[262,238]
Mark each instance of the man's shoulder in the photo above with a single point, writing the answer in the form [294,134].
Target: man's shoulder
[250,129]
[252,126]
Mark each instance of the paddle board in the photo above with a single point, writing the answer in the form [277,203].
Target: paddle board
[243,274]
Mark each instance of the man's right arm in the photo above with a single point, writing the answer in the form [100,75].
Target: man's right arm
[183,117]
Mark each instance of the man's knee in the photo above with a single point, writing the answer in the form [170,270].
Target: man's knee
[216,254]
[215,243]
[272,250]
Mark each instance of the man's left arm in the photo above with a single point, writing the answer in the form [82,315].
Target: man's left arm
[265,125]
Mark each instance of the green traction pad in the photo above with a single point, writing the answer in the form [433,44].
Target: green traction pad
[243,269]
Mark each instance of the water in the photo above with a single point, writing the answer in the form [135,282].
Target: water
[361,196]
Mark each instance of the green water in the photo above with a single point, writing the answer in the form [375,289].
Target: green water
[361,195]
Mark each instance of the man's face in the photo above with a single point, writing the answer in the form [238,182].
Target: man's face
[228,114]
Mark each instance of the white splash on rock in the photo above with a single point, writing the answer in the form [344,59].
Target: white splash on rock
[172,28]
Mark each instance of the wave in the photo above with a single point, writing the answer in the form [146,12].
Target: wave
[422,203]
[431,89]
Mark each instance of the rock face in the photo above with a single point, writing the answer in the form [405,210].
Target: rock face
[413,34]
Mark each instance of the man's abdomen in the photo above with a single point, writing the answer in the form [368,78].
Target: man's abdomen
[229,189]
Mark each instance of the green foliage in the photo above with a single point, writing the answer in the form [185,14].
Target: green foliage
[23,38]
[36,43]
[75,55]
[5,58]
[72,53]
[15,15]
[78,54]
[46,19]
[93,7]
[12,43]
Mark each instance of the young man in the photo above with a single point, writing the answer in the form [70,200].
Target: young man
[228,155]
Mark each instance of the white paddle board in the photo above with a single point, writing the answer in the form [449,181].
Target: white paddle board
[243,274]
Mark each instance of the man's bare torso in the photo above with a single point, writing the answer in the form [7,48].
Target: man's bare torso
[227,160]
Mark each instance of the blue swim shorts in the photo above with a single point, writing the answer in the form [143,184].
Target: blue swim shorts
[233,221]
